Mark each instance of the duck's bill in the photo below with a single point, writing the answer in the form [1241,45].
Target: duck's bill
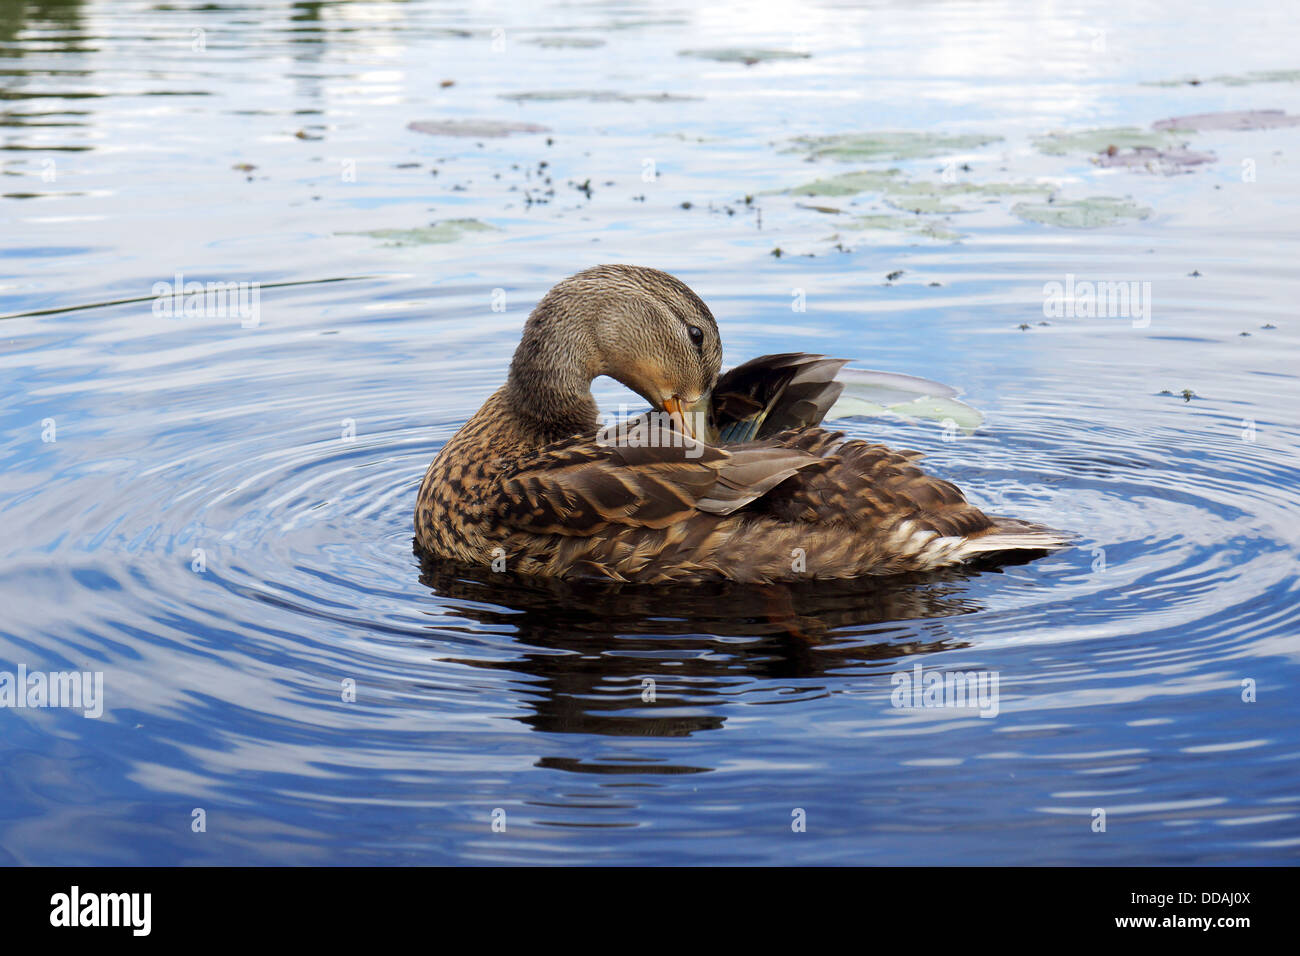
[692,418]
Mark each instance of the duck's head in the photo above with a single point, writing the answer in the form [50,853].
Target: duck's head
[637,325]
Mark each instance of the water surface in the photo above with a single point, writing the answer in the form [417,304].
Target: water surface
[216,513]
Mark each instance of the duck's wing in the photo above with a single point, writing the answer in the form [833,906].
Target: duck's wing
[869,487]
[893,506]
[769,394]
[581,486]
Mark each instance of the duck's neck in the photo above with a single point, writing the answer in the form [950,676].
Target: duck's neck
[549,386]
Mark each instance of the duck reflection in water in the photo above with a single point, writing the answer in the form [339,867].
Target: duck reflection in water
[592,649]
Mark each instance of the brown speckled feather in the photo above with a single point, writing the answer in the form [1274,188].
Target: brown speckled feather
[579,487]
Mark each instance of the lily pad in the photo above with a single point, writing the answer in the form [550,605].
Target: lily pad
[477,128]
[561,42]
[448,230]
[637,24]
[1231,120]
[923,197]
[1103,140]
[1168,161]
[922,201]
[595,96]
[1081,213]
[747,56]
[914,225]
[1246,79]
[847,184]
[889,145]
[912,195]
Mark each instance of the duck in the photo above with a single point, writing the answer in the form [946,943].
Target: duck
[727,477]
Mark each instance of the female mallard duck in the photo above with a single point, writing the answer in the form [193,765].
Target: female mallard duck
[532,485]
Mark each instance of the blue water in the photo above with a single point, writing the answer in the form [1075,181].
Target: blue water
[217,518]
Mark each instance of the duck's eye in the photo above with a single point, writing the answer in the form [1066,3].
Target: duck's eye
[696,333]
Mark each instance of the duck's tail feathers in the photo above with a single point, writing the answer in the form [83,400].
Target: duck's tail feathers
[1012,534]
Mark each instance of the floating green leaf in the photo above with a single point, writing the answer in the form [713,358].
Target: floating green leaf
[922,197]
[562,42]
[914,225]
[1081,213]
[1245,79]
[1062,143]
[478,128]
[1232,120]
[748,56]
[912,195]
[889,145]
[847,184]
[594,96]
[448,230]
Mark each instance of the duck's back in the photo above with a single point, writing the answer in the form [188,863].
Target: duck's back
[779,497]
